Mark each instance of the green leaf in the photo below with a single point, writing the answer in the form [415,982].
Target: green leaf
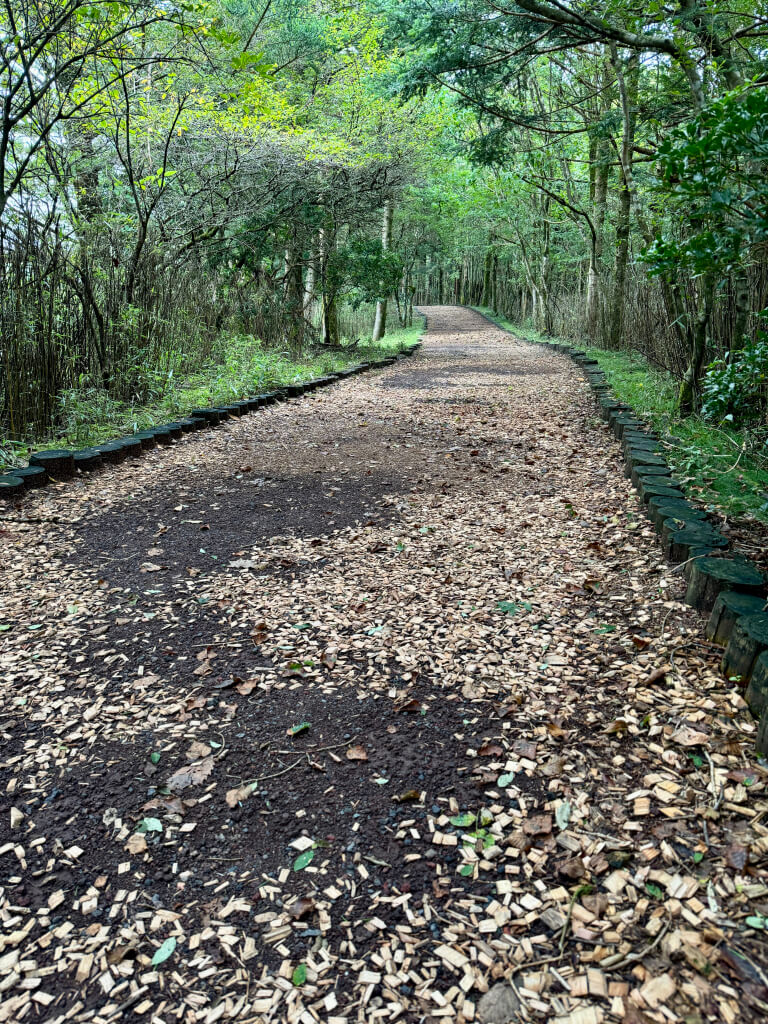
[463,820]
[654,890]
[505,780]
[698,857]
[757,922]
[303,859]
[150,825]
[467,870]
[563,815]
[299,975]
[507,606]
[4,628]
[166,950]
[296,730]
[154,757]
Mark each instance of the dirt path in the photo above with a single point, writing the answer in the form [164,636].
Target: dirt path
[357,710]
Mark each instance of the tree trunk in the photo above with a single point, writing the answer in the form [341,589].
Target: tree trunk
[380,320]
[628,92]
[689,387]
[485,297]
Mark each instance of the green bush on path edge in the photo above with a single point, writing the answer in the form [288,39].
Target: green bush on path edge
[91,417]
[716,466]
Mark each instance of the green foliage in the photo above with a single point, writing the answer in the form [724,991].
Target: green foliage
[735,389]
[712,172]
[364,270]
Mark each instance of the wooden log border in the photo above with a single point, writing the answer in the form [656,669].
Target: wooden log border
[687,538]
[68,465]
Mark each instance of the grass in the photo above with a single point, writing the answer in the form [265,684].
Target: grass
[722,468]
[89,416]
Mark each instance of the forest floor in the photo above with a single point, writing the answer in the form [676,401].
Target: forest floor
[380,704]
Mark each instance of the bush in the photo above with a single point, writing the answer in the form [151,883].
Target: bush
[735,389]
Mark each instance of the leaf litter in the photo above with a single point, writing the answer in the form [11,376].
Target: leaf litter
[558,805]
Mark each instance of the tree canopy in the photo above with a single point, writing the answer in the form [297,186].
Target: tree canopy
[174,172]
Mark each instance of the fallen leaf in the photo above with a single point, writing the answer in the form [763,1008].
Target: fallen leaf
[192,775]
[238,795]
[687,737]
[137,843]
[572,868]
[538,825]
[301,907]
[164,952]
[303,860]
[197,750]
[299,975]
[491,750]
[555,730]
[736,856]
[357,753]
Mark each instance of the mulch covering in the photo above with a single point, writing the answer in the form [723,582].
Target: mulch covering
[381,704]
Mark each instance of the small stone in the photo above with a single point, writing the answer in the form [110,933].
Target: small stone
[499,1005]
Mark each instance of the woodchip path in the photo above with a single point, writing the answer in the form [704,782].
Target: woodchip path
[380,704]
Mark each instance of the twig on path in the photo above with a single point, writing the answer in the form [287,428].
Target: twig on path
[263,778]
[611,963]
[137,995]
[717,797]
[581,889]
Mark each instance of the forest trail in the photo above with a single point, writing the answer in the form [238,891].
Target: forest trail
[328,715]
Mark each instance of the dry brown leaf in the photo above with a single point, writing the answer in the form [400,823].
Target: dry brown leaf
[491,750]
[236,796]
[357,753]
[736,856]
[192,775]
[197,750]
[687,737]
[301,907]
[538,825]
[136,844]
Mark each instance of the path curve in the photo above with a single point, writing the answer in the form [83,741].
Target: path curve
[421,604]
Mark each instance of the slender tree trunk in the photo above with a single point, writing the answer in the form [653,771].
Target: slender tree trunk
[380,320]
[485,297]
[330,318]
[628,91]
[689,388]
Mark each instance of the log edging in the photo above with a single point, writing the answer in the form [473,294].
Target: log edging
[60,465]
[688,538]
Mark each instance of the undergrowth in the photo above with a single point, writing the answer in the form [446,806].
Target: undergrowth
[89,415]
[725,468]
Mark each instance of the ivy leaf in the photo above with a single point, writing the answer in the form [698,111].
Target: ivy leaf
[507,606]
[165,951]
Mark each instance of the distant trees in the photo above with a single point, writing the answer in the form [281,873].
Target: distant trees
[172,173]
[615,140]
